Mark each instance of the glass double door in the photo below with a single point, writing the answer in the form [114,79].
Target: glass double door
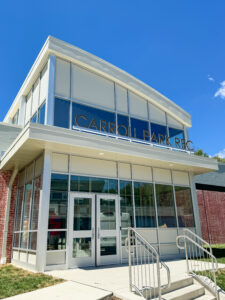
[94,230]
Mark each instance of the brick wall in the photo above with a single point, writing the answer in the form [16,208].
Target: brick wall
[212,215]
[4,182]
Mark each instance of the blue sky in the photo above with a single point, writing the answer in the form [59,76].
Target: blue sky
[175,46]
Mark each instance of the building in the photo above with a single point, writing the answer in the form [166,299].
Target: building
[87,151]
[211,201]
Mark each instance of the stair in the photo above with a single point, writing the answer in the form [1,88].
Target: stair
[184,289]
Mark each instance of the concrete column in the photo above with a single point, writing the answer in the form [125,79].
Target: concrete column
[43,213]
[49,113]
[22,111]
[195,205]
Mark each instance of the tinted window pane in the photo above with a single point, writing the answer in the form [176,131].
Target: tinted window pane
[93,118]
[144,204]
[123,125]
[126,211]
[125,188]
[99,185]
[80,184]
[26,206]
[35,204]
[16,240]
[61,113]
[184,207]
[82,213]
[34,118]
[32,241]
[58,210]
[113,186]
[56,240]
[19,209]
[165,205]
[158,133]
[59,182]
[140,129]
[41,114]
[176,138]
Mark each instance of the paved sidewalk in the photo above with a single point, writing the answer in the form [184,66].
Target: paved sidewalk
[97,283]
[64,291]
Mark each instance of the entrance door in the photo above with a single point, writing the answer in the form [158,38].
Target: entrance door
[82,244]
[107,227]
[94,228]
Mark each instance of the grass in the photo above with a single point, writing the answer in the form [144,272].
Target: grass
[220,277]
[14,281]
[219,252]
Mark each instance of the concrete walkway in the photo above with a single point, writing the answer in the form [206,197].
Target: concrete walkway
[97,283]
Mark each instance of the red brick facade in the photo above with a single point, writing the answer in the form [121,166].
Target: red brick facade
[4,182]
[212,215]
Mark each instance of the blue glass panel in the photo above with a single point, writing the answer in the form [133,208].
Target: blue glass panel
[61,113]
[159,134]
[34,118]
[177,138]
[123,125]
[41,114]
[93,118]
[59,182]
[140,129]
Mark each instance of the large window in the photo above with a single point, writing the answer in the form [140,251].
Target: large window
[93,185]
[90,118]
[184,206]
[165,206]
[144,204]
[27,207]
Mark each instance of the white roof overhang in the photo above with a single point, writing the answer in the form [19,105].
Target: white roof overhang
[89,61]
[35,138]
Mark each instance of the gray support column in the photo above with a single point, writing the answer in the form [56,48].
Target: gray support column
[43,213]
[49,113]
[195,205]
[22,111]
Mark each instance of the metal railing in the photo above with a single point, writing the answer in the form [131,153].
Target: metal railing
[201,263]
[144,267]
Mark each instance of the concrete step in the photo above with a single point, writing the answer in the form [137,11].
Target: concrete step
[175,285]
[179,284]
[206,297]
[187,293]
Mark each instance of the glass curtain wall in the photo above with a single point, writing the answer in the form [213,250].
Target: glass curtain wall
[27,207]
[98,120]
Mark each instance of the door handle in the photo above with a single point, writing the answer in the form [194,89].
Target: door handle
[93,232]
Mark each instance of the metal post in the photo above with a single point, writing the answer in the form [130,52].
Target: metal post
[129,257]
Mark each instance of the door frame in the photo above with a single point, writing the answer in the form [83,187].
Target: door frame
[95,260]
[81,262]
[109,259]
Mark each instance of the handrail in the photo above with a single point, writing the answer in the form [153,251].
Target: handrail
[198,237]
[144,266]
[199,260]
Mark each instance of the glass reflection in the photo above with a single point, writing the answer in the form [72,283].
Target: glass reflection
[158,133]
[177,138]
[82,213]
[184,206]
[61,113]
[81,247]
[107,214]
[56,240]
[108,246]
[165,206]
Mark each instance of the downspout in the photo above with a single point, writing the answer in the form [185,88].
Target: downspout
[6,224]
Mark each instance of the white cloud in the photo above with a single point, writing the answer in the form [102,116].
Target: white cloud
[221,154]
[221,91]
[210,78]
